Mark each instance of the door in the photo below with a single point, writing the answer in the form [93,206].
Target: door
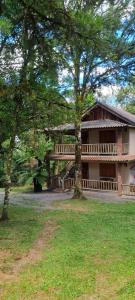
[85,137]
[107,171]
[107,136]
[85,171]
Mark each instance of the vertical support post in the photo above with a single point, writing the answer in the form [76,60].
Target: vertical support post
[47,161]
[62,184]
[57,167]
[119,141]
[48,168]
[119,179]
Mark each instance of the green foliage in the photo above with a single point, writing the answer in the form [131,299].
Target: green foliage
[89,100]
[5,26]
[24,167]
[31,145]
[126,96]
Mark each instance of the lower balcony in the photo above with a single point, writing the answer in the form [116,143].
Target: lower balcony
[101,185]
[88,184]
[93,149]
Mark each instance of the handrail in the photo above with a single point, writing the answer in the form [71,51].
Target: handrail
[108,148]
[103,185]
[94,149]
[88,184]
[65,148]
[128,189]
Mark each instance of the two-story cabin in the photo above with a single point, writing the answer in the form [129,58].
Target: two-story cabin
[108,149]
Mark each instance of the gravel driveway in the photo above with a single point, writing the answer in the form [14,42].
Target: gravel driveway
[45,200]
[42,200]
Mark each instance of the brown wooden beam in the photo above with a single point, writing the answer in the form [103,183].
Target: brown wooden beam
[119,141]
[119,179]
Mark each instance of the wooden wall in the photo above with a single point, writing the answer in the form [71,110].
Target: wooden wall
[99,113]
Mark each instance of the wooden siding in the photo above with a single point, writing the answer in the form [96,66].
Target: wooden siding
[99,113]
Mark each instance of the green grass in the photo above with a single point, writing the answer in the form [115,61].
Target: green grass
[92,252]
[18,234]
[26,188]
[20,189]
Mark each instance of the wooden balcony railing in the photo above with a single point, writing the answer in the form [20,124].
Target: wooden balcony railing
[128,189]
[93,149]
[99,185]
[65,148]
[69,183]
[88,184]
[110,148]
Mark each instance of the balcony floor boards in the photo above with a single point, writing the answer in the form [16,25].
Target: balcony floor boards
[94,158]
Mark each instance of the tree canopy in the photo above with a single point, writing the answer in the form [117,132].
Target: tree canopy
[57,52]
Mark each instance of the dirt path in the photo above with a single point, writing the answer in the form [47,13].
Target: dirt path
[34,255]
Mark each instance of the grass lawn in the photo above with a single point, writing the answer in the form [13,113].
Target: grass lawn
[18,235]
[90,256]
[20,189]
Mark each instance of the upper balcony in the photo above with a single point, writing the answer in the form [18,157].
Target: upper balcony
[93,149]
[106,135]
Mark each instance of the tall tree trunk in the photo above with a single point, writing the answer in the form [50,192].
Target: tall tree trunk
[7,171]
[48,168]
[79,99]
[78,194]
[78,175]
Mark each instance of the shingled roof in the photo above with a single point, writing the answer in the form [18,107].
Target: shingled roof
[126,119]
[90,125]
[122,114]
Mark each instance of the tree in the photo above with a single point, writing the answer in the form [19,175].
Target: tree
[21,110]
[93,41]
[26,87]
[98,51]
[126,96]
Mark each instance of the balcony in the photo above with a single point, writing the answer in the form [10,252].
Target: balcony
[92,149]
[88,184]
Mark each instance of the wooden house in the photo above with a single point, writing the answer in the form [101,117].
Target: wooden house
[108,149]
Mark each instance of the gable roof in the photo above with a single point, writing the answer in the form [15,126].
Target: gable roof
[120,113]
[125,119]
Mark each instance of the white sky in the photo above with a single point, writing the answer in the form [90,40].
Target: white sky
[108,93]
